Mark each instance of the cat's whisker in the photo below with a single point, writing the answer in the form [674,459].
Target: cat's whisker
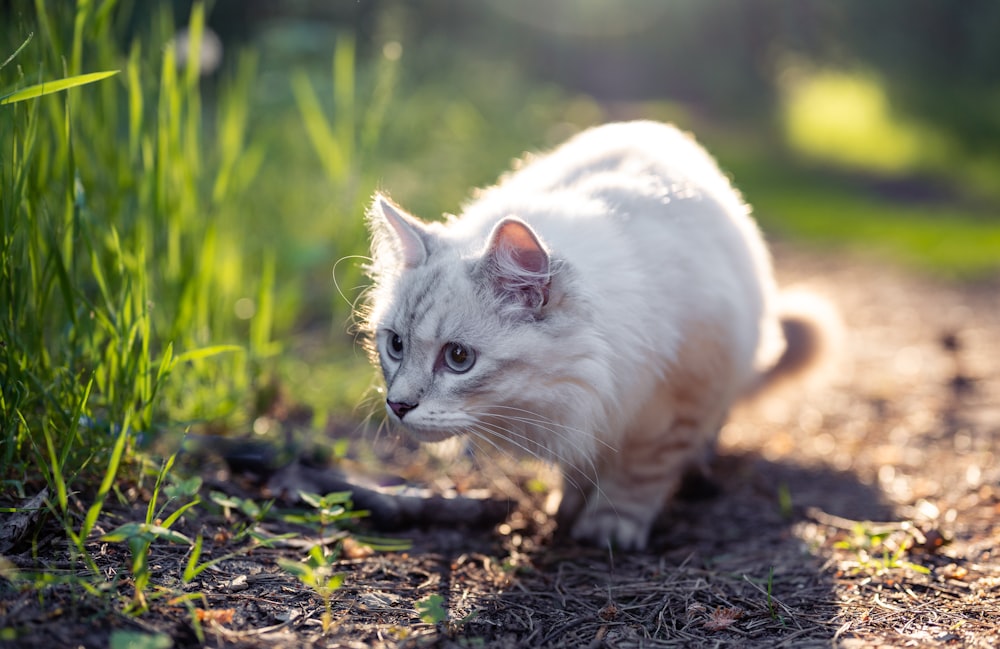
[547,426]
[484,434]
[336,283]
[475,435]
[567,434]
[370,403]
[506,435]
[550,425]
[547,452]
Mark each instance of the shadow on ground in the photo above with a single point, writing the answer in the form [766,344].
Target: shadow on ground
[737,567]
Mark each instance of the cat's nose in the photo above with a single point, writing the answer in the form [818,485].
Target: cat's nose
[400,407]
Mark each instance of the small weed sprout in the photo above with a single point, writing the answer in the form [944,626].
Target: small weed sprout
[431,610]
[770,599]
[785,504]
[121,639]
[254,512]
[879,548]
[317,573]
[327,510]
[140,536]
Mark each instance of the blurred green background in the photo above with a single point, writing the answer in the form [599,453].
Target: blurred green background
[169,233]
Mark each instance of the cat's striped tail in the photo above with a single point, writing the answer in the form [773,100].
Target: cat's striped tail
[812,331]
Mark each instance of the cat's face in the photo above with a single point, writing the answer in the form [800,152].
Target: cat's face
[440,348]
[465,338]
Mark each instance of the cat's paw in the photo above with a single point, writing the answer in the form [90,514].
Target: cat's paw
[606,526]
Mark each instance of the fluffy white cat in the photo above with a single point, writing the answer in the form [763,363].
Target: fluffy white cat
[602,307]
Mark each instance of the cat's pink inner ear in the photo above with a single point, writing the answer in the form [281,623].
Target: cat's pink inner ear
[520,262]
[517,240]
[405,230]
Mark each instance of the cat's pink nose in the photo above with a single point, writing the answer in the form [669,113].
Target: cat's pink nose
[400,408]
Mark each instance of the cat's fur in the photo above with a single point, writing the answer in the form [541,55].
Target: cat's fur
[602,308]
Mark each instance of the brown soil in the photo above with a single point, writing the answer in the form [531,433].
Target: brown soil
[861,512]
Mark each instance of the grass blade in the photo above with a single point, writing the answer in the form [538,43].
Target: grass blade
[170,520]
[17,51]
[49,87]
[191,570]
[321,136]
[205,352]
[117,453]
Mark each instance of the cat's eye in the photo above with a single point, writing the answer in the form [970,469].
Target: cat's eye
[394,346]
[458,358]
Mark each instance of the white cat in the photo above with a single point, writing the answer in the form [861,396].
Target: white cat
[601,308]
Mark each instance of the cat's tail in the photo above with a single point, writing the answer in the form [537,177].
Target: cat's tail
[812,332]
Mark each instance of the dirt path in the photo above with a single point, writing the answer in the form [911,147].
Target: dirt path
[906,434]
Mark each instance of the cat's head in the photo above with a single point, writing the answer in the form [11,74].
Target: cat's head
[463,329]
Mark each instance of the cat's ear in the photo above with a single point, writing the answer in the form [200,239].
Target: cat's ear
[517,264]
[396,234]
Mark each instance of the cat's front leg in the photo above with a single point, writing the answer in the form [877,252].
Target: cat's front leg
[588,513]
[631,492]
[622,515]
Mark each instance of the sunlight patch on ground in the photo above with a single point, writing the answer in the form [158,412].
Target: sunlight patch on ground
[846,118]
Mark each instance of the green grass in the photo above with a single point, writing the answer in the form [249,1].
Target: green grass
[955,238]
[114,286]
[120,261]
[945,240]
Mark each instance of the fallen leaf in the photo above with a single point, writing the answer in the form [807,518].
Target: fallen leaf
[217,615]
[722,618]
[609,612]
[954,571]
[355,550]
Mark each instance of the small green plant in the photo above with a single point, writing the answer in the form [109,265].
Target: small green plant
[879,549]
[121,639]
[326,510]
[785,504]
[431,610]
[317,573]
[770,600]
[253,511]
[139,536]
[317,570]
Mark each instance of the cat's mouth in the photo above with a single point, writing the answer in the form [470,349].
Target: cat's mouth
[429,434]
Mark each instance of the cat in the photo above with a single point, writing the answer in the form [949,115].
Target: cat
[602,308]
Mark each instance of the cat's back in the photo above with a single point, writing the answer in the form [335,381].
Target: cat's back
[631,187]
[621,150]
[640,169]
